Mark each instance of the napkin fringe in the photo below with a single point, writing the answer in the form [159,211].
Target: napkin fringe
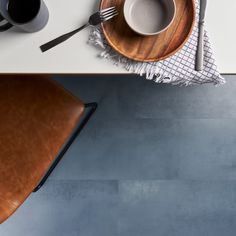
[149,69]
[142,68]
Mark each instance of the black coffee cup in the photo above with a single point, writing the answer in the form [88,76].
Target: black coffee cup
[28,15]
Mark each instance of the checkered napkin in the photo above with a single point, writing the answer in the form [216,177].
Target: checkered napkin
[178,69]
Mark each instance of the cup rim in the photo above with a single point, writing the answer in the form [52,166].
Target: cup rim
[149,34]
[27,22]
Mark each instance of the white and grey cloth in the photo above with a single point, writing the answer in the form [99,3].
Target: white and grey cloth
[178,69]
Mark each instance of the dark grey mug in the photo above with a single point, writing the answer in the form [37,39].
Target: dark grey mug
[28,15]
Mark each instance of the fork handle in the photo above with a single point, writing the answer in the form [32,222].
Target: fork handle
[61,39]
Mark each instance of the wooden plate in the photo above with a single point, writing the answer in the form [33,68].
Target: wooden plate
[149,48]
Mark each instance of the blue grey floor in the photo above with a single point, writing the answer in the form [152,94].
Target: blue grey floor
[155,160]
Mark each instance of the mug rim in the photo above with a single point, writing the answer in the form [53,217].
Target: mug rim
[27,22]
[149,34]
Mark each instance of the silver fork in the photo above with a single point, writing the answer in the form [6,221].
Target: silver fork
[95,19]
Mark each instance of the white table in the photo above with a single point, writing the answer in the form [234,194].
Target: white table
[19,52]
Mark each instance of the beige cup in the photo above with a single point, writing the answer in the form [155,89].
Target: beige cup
[149,17]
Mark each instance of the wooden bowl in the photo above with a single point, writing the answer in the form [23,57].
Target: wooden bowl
[149,48]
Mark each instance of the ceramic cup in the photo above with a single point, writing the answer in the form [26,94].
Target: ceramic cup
[28,15]
[149,17]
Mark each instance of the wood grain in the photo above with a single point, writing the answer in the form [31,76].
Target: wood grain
[149,48]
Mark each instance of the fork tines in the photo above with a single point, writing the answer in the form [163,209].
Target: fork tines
[108,13]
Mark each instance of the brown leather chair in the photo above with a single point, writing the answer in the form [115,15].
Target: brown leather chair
[39,120]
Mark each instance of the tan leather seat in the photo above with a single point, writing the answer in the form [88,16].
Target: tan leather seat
[37,116]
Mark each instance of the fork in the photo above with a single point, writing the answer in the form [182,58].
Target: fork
[95,19]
